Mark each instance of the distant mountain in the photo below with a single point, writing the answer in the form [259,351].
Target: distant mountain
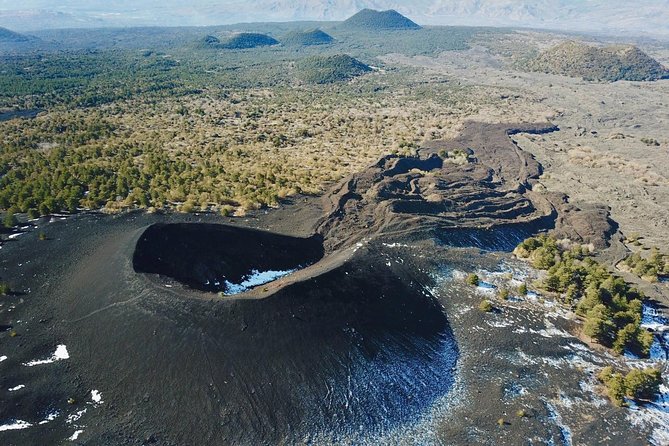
[371,20]
[32,20]
[612,16]
[12,37]
[307,38]
[611,63]
[329,69]
[240,41]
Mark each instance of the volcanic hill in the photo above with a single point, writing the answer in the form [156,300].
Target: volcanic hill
[307,38]
[611,63]
[372,20]
[240,41]
[329,69]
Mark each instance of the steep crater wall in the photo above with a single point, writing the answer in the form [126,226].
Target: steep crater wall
[211,257]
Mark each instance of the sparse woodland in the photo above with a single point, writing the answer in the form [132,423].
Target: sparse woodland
[219,150]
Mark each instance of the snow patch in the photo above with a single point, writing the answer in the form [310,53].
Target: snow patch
[3,358]
[555,416]
[50,417]
[395,245]
[16,425]
[500,324]
[75,435]
[75,416]
[96,396]
[60,354]
[19,387]
[254,279]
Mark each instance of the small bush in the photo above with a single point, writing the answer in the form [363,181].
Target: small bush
[4,289]
[643,384]
[522,289]
[485,306]
[9,221]
[473,279]
[504,294]
[41,236]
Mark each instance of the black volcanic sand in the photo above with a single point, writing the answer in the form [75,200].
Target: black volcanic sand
[353,349]
[362,345]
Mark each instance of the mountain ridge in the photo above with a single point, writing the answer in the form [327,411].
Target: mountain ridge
[644,16]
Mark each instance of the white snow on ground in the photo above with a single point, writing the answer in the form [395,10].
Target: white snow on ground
[96,396]
[590,387]
[499,324]
[549,332]
[552,331]
[3,358]
[50,417]
[654,415]
[75,416]
[75,435]
[13,236]
[19,387]
[555,416]
[60,354]
[653,320]
[16,425]
[395,245]
[485,288]
[254,279]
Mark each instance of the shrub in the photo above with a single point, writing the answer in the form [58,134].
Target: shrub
[504,294]
[9,221]
[473,279]
[598,325]
[522,289]
[643,384]
[638,384]
[4,288]
[615,385]
[486,306]
[41,236]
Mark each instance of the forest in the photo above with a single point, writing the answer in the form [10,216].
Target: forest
[193,127]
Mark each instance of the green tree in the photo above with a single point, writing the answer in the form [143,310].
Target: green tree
[9,221]
[599,326]
[643,384]
[485,306]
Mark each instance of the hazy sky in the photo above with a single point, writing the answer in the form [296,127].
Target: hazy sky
[616,16]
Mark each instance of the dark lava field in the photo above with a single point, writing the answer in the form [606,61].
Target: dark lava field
[341,320]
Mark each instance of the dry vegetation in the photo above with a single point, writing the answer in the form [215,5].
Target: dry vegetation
[229,151]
